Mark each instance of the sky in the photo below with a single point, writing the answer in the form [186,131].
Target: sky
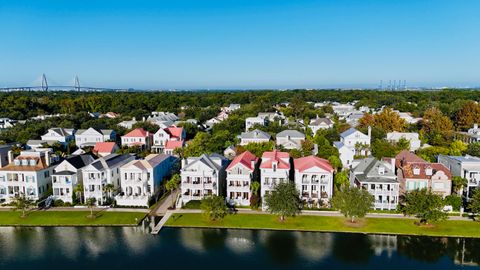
[240,44]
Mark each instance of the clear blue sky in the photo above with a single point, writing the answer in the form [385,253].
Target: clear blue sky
[240,43]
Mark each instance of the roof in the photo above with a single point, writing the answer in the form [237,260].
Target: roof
[109,161]
[304,163]
[149,162]
[319,121]
[367,170]
[275,156]
[101,131]
[175,132]
[80,160]
[291,133]
[61,131]
[407,162]
[398,135]
[255,134]
[40,164]
[173,144]
[245,159]
[349,132]
[138,132]
[40,142]
[104,147]
[467,158]
[207,160]
[406,156]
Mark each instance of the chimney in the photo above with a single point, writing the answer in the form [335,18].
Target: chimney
[475,126]
[370,133]
[253,163]
[47,158]
[392,162]
[10,156]
[184,162]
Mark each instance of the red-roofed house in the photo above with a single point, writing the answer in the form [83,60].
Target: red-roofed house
[103,149]
[414,172]
[137,137]
[164,135]
[170,146]
[314,179]
[275,168]
[239,177]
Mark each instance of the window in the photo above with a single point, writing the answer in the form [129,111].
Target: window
[416,170]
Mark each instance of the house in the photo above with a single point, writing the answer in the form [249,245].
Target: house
[212,121]
[37,144]
[272,116]
[412,137]
[89,137]
[162,119]
[103,149]
[254,136]
[343,110]
[379,179]
[230,152]
[203,176]
[472,136]
[353,118]
[5,152]
[240,174]
[408,117]
[137,137]
[101,174]
[176,136]
[128,124]
[415,173]
[320,123]
[170,146]
[7,123]
[61,135]
[314,180]
[140,180]
[111,115]
[274,169]
[28,174]
[250,122]
[67,175]
[353,143]
[290,139]
[467,167]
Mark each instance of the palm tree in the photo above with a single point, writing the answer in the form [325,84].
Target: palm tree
[79,191]
[255,187]
[90,202]
[172,184]
[109,188]
[22,203]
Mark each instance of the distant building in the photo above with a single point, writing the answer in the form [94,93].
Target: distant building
[230,152]
[6,123]
[412,137]
[128,124]
[319,124]
[472,136]
[290,139]
[349,143]
[250,122]
[239,177]
[89,137]
[254,136]
[61,135]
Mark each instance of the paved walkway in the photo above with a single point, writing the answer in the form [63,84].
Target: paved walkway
[162,206]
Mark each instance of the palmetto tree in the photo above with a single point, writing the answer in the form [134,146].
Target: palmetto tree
[109,188]
[172,184]
[23,203]
[90,202]
[79,191]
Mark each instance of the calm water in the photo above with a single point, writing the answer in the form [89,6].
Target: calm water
[135,249]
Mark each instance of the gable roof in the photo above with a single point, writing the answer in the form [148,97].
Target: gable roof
[207,160]
[367,170]
[100,132]
[109,161]
[138,132]
[149,162]
[80,161]
[275,156]
[319,121]
[291,133]
[406,156]
[104,147]
[175,132]
[304,163]
[407,162]
[245,159]
[173,144]
[61,131]
[255,134]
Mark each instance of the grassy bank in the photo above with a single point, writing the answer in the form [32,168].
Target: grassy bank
[70,218]
[330,224]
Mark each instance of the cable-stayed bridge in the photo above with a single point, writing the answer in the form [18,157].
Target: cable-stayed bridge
[42,84]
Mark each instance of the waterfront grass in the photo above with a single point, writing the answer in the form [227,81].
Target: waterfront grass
[70,218]
[330,224]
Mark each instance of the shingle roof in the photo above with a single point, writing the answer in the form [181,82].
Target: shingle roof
[245,159]
[255,134]
[367,170]
[304,163]
[173,144]
[291,133]
[138,132]
[280,157]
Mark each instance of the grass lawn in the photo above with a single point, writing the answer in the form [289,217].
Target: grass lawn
[330,224]
[70,218]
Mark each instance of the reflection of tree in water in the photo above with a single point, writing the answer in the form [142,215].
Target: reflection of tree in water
[466,251]
[427,249]
[281,246]
[352,248]
[314,245]
[214,238]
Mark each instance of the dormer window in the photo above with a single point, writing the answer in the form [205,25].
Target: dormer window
[381,170]
[416,170]
[17,162]
[428,171]
[24,162]
[32,162]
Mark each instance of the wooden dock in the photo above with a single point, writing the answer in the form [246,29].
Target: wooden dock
[162,222]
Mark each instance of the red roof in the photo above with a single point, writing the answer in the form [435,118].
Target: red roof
[407,162]
[280,157]
[138,132]
[173,144]
[304,163]
[104,147]
[175,132]
[405,157]
[245,159]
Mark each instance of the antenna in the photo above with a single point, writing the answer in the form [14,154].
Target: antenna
[76,84]
[44,82]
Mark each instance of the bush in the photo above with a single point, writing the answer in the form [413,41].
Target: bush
[254,202]
[58,203]
[192,205]
[454,201]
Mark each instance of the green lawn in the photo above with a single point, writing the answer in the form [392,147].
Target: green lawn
[329,224]
[70,218]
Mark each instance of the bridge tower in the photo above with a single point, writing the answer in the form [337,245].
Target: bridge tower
[44,82]
[76,84]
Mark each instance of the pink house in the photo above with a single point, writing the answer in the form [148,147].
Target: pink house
[138,137]
[314,179]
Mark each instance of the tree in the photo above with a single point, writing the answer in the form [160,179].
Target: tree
[383,148]
[454,201]
[109,188]
[436,126]
[474,204]
[335,162]
[353,202]
[474,149]
[79,191]
[172,184]
[255,198]
[22,203]
[341,180]
[388,120]
[468,115]
[284,200]
[458,183]
[91,202]
[457,148]
[214,207]
[425,205]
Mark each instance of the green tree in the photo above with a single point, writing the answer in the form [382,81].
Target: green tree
[425,205]
[383,148]
[284,200]
[213,207]
[474,149]
[353,202]
[255,198]
[457,148]
[454,201]
[458,183]
[474,204]
[91,202]
[109,188]
[335,162]
[22,203]
[79,191]
[172,184]
[341,180]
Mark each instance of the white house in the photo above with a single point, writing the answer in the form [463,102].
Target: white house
[252,121]
[7,123]
[379,179]
[28,174]
[67,175]
[102,172]
[274,169]
[162,119]
[61,135]
[163,136]
[103,149]
[89,137]
[203,176]
[137,137]
[140,180]
[254,136]
[314,179]
[239,177]
[352,143]
[128,124]
[412,137]
[290,139]
[320,123]
[467,167]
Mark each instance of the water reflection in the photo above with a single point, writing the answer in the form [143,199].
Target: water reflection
[127,248]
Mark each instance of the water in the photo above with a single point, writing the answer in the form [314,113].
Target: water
[135,249]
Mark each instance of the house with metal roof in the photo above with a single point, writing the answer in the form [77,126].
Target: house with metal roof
[254,136]
[274,169]
[89,137]
[467,167]
[61,135]
[353,143]
[290,139]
